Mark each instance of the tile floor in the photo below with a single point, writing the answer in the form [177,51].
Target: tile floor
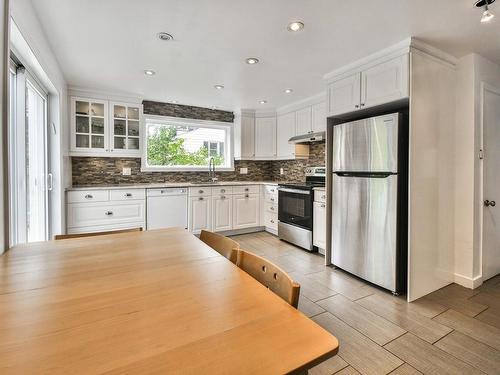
[452,331]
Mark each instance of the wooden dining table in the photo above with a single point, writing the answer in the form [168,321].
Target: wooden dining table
[154,302]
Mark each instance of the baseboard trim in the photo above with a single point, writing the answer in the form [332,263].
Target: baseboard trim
[468,282]
[236,232]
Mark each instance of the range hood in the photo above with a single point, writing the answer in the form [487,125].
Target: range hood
[308,138]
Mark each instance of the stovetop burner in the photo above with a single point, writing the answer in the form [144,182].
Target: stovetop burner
[315,177]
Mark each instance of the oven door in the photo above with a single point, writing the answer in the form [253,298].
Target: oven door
[295,207]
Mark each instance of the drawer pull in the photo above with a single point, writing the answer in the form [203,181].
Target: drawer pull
[272,208]
[223,191]
[272,221]
[128,195]
[272,199]
[246,195]
[323,206]
[323,197]
[200,191]
[200,198]
[272,190]
[108,213]
[222,197]
[89,196]
[247,189]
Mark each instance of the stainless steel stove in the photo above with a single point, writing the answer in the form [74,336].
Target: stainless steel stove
[295,208]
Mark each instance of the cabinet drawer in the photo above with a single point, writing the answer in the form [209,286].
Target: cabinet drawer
[271,221]
[246,189]
[202,191]
[320,196]
[127,195]
[222,190]
[88,196]
[271,207]
[271,189]
[96,214]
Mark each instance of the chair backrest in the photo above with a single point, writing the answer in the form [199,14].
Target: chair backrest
[269,275]
[223,245]
[92,234]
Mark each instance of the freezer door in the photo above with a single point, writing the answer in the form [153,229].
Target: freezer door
[364,227]
[369,145]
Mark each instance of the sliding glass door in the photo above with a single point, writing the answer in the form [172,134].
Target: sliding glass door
[28,158]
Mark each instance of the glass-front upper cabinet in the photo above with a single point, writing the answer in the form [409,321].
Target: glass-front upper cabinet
[125,128]
[89,120]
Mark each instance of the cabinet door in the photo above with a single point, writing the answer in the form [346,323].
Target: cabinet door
[200,214]
[285,129]
[247,137]
[344,95]
[222,218]
[304,121]
[125,129]
[385,82]
[319,117]
[319,225]
[265,138]
[89,125]
[246,211]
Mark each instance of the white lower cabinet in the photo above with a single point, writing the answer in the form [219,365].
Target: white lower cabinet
[200,214]
[246,211]
[222,213]
[319,225]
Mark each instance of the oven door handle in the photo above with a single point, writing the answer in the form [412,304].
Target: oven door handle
[296,191]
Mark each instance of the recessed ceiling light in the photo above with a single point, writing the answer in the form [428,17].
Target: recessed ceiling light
[219,87]
[487,15]
[288,91]
[252,60]
[263,102]
[165,36]
[149,72]
[295,26]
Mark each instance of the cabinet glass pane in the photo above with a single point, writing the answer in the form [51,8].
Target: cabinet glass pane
[133,143]
[82,108]
[97,125]
[82,124]
[133,113]
[97,109]
[133,128]
[120,127]
[82,141]
[120,142]
[97,141]
[120,111]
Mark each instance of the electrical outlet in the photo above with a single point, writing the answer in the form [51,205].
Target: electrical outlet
[243,170]
[127,171]
[282,171]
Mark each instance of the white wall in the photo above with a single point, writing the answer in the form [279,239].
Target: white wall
[472,70]
[3,119]
[25,18]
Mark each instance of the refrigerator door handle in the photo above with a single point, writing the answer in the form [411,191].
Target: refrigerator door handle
[365,174]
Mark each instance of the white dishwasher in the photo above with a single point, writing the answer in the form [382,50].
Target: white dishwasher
[167,207]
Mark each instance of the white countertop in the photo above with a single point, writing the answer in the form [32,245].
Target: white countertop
[170,185]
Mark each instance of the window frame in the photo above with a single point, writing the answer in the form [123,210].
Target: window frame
[227,126]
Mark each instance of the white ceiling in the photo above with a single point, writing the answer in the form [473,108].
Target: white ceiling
[106,45]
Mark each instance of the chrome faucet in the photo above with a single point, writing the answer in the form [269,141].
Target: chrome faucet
[211,170]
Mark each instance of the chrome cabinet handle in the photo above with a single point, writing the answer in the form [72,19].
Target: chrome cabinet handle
[362,104]
[272,221]
[89,196]
[223,191]
[108,213]
[323,197]
[222,197]
[488,203]
[200,191]
[128,195]
[200,198]
[272,208]
[272,190]
[247,189]
[323,205]
[272,199]
[356,106]
[246,195]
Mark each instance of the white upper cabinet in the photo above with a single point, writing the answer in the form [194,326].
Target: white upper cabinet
[244,137]
[380,83]
[319,117]
[304,121]
[125,128]
[344,95]
[89,126]
[285,129]
[385,82]
[103,128]
[265,137]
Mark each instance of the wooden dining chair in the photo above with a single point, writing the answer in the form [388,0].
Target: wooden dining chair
[92,234]
[269,275]
[223,245]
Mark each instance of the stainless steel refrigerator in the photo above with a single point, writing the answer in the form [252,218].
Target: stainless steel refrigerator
[369,199]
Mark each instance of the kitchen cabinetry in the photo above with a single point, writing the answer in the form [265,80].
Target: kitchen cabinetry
[265,138]
[319,220]
[222,207]
[103,128]
[270,208]
[246,210]
[304,121]
[244,137]
[380,83]
[319,117]
[285,129]
[200,213]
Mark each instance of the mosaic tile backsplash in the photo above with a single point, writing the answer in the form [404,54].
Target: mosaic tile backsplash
[108,171]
